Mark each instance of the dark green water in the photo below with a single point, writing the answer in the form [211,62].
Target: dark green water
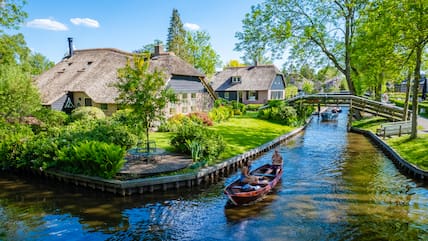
[336,186]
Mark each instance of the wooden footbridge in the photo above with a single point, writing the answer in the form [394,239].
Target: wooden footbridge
[393,113]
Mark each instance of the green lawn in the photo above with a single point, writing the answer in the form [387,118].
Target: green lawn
[240,133]
[246,132]
[414,151]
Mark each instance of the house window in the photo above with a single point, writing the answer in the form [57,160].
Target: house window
[193,108]
[252,95]
[184,109]
[276,95]
[226,95]
[88,102]
[236,79]
[184,96]
[193,96]
[104,107]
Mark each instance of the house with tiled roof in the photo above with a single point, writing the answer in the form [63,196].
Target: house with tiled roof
[87,77]
[249,85]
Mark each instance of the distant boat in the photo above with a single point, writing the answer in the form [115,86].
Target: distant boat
[330,114]
[242,194]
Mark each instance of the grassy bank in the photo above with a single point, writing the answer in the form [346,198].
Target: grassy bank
[241,134]
[413,151]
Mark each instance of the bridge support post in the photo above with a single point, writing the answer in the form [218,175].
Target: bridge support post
[350,115]
[319,108]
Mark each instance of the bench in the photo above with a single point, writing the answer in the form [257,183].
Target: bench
[394,128]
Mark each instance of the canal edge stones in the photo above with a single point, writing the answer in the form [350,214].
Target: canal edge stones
[207,175]
[406,167]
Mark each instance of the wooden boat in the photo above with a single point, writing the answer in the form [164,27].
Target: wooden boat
[239,195]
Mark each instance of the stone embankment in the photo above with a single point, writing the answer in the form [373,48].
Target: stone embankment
[407,168]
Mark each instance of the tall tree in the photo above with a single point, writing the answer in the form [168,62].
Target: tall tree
[311,29]
[176,36]
[406,26]
[144,92]
[200,53]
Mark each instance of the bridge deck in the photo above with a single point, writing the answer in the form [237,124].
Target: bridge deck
[356,102]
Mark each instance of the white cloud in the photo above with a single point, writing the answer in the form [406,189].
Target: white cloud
[85,22]
[48,24]
[192,26]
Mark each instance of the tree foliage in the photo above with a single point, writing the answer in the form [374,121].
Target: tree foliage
[144,92]
[11,14]
[317,30]
[253,39]
[398,33]
[200,53]
[18,96]
[234,63]
[176,36]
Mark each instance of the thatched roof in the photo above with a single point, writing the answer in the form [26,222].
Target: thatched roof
[258,77]
[94,71]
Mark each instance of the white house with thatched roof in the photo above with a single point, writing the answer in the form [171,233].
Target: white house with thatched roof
[86,78]
[250,85]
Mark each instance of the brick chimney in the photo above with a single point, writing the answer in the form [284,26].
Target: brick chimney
[158,50]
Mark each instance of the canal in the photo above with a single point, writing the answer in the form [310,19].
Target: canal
[336,186]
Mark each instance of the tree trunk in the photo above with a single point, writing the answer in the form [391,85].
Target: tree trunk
[417,74]
[147,137]
[406,101]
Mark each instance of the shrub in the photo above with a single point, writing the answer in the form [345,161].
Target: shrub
[221,113]
[171,125]
[13,139]
[280,113]
[200,118]
[253,107]
[99,130]
[87,113]
[211,144]
[52,118]
[92,158]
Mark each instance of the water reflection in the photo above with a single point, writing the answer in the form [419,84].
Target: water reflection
[336,186]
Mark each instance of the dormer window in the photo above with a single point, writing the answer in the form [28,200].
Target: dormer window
[236,79]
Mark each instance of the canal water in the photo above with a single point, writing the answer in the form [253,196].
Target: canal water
[336,186]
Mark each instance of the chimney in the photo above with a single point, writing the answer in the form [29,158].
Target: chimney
[70,47]
[158,50]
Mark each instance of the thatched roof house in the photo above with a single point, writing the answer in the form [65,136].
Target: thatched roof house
[86,78]
[254,84]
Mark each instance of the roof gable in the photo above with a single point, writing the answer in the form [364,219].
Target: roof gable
[258,77]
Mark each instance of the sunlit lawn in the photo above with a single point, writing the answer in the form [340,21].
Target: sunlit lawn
[240,134]
[414,151]
[244,133]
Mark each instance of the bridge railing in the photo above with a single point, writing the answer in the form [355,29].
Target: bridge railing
[356,102]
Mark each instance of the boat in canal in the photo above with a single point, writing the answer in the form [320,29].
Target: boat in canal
[243,194]
[330,114]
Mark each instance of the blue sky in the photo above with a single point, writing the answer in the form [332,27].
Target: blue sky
[128,24]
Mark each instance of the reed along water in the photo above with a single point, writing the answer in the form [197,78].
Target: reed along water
[336,186]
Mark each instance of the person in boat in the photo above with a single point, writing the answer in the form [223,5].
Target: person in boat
[247,178]
[277,162]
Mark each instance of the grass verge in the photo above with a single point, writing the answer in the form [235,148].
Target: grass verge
[414,151]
